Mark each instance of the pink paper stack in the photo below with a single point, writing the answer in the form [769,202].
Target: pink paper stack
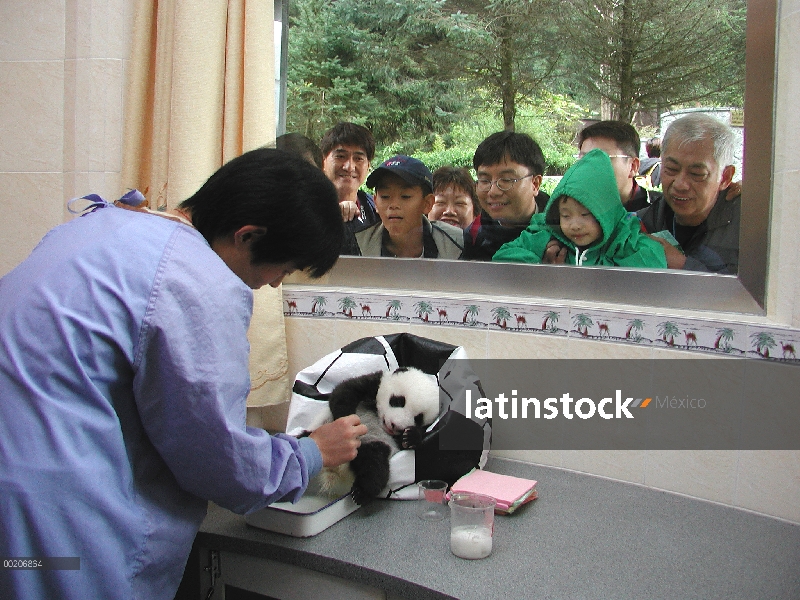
[509,492]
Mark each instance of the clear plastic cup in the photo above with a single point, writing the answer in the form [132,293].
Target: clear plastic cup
[431,506]
[471,525]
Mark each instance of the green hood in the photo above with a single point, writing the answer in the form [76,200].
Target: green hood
[590,181]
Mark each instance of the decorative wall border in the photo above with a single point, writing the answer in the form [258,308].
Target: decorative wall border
[710,336]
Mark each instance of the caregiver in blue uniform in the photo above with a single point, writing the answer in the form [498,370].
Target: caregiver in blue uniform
[124,374]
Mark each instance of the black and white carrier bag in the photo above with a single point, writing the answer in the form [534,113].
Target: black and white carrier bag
[452,446]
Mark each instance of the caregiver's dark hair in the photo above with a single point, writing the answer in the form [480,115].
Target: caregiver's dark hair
[282,192]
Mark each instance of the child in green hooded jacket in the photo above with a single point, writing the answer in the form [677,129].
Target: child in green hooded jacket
[585,214]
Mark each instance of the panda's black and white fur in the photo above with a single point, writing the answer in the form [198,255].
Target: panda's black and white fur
[396,408]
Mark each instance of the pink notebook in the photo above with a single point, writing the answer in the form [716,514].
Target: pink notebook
[510,492]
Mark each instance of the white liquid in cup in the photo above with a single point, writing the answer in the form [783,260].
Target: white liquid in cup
[471,541]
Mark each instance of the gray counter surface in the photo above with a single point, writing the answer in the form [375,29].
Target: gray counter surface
[585,537]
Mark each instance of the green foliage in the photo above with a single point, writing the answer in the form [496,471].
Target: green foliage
[651,54]
[553,121]
[512,50]
[454,157]
[375,63]
[549,183]
[550,119]
[433,78]
[324,86]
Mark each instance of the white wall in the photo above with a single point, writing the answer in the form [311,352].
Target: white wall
[61,96]
[783,285]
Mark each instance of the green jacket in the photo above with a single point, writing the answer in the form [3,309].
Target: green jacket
[591,182]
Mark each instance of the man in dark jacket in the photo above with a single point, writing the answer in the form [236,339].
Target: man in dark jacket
[347,150]
[509,167]
[696,169]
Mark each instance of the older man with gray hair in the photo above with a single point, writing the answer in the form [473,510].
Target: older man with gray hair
[696,170]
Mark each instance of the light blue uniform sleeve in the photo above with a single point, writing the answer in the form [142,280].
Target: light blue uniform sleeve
[123,379]
[312,455]
[190,386]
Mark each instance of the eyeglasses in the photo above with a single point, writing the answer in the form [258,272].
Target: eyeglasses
[582,154]
[503,184]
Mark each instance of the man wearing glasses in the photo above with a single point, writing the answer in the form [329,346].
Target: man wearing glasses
[509,167]
[621,142]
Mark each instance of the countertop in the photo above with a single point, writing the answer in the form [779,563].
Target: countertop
[585,537]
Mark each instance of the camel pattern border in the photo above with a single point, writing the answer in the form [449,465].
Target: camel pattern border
[711,336]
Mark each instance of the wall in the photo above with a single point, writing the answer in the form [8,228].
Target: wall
[783,285]
[62,72]
[767,482]
[62,69]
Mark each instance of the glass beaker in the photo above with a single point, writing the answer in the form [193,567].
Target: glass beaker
[471,525]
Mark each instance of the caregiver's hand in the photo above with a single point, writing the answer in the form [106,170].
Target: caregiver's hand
[338,442]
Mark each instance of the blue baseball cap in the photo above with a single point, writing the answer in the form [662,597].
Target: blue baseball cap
[410,170]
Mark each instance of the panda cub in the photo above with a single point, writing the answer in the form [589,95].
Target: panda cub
[396,408]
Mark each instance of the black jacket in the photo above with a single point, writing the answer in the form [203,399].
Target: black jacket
[484,236]
[714,246]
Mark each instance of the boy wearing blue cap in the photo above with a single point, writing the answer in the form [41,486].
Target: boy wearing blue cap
[403,196]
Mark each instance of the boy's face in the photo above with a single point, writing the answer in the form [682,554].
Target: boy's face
[401,205]
[578,223]
[452,205]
